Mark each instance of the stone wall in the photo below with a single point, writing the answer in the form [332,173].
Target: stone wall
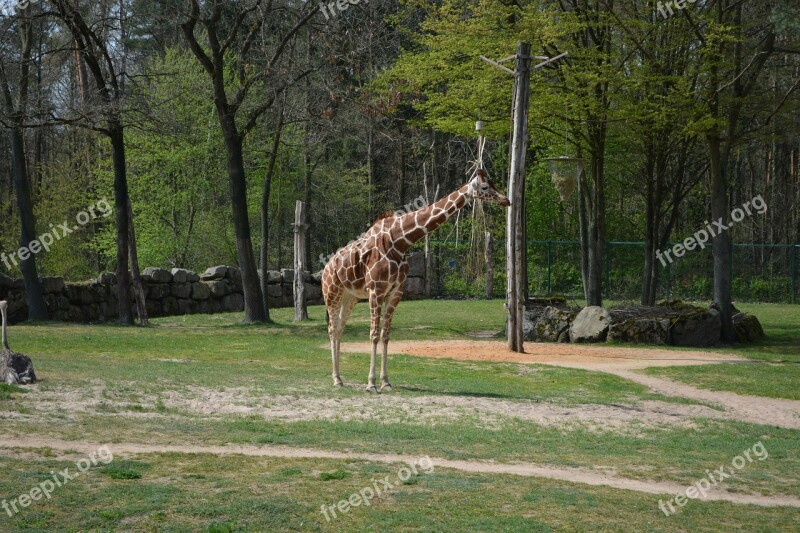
[175,292]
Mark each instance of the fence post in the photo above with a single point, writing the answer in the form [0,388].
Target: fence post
[549,267]
[608,274]
[794,273]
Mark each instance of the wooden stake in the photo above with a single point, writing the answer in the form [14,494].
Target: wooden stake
[515,242]
[300,226]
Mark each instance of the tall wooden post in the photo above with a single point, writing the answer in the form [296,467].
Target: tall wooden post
[300,309]
[515,236]
[489,265]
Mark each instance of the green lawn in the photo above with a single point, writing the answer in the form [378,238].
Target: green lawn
[777,374]
[111,384]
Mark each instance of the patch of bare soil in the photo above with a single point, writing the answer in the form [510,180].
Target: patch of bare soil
[489,413]
[613,360]
[572,475]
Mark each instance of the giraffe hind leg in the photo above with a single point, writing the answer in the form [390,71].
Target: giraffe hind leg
[391,306]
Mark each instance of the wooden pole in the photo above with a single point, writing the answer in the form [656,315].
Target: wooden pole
[516,186]
[489,265]
[300,309]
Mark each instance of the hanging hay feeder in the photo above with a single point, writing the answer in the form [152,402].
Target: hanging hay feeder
[565,173]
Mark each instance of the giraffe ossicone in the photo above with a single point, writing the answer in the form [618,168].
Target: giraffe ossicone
[374,268]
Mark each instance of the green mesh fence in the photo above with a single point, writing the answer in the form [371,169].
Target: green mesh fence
[760,272]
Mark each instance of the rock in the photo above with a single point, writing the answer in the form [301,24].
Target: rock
[180,275]
[200,291]
[214,273]
[549,325]
[550,301]
[156,275]
[414,287]
[697,327]
[748,328]
[287,275]
[16,368]
[233,303]
[591,325]
[187,307]
[313,292]
[416,265]
[51,285]
[170,304]
[219,288]
[158,291]
[640,330]
[107,278]
[273,276]
[181,290]
[274,291]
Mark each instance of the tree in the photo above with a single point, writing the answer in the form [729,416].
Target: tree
[15,113]
[95,51]
[229,49]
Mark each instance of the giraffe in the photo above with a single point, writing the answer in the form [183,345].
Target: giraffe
[374,268]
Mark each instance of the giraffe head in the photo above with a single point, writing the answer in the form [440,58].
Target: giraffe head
[482,188]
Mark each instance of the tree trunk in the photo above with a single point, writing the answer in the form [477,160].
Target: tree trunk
[116,133]
[489,265]
[138,290]
[267,186]
[253,299]
[721,242]
[37,310]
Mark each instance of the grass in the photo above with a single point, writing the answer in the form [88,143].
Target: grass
[777,374]
[125,379]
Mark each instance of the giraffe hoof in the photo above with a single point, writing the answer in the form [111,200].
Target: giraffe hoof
[386,387]
[338,383]
[372,389]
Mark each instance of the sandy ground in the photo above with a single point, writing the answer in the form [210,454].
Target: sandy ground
[622,362]
[575,475]
[97,399]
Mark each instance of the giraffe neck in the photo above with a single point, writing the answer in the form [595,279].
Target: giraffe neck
[417,224]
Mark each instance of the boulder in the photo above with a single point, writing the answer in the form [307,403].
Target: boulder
[550,324]
[748,328]
[591,325]
[414,287]
[187,307]
[273,276]
[233,303]
[696,327]
[107,278]
[214,273]
[16,368]
[416,265]
[158,291]
[287,275]
[170,304]
[156,275]
[180,275]
[200,291]
[51,285]
[219,288]
[313,292]
[640,330]
[181,290]
[274,291]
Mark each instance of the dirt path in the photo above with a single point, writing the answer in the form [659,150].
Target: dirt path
[572,475]
[621,362]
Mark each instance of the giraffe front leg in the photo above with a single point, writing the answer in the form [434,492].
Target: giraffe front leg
[391,305]
[374,331]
